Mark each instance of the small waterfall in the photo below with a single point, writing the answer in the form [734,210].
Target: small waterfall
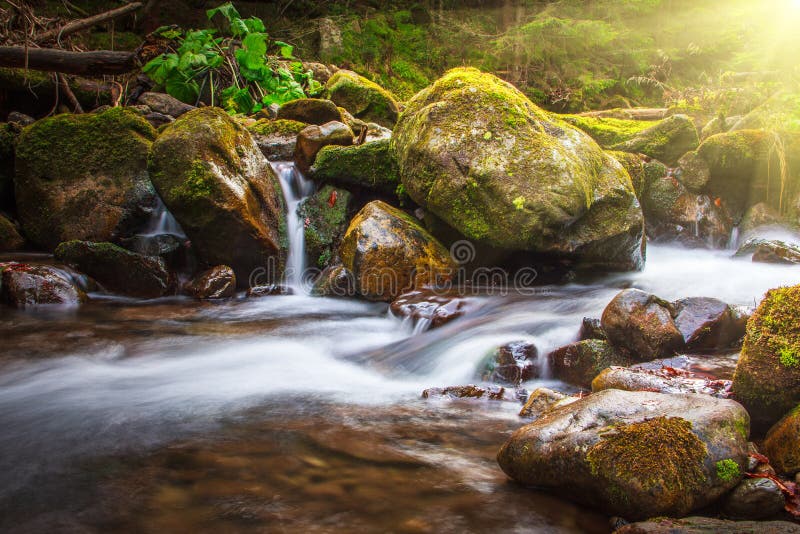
[296,188]
[733,242]
[163,223]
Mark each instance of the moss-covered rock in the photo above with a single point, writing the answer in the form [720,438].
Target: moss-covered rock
[478,154]
[326,215]
[8,139]
[782,444]
[707,525]
[608,131]
[637,167]
[31,286]
[665,141]
[10,239]
[222,191]
[310,111]
[633,454]
[314,138]
[370,167]
[277,139]
[365,99]
[83,177]
[579,363]
[389,253]
[117,269]
[767,378]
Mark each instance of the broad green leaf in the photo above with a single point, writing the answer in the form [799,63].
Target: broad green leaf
[184,90]
[285,49]
[255,25]
[226,10]
[256,43]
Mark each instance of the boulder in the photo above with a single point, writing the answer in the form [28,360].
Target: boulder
[277,139]
[782,444]
[8,139]
[432,308]
[708,525]
[770,251]
[216,283]
[21,119]
[767,378]
[117,269]
[335,281]
[84,177]
[476,153]
[10,238]
[759,215]
[608,131]
[633,454]
[664,380]
[754,498]
[707,323]
[30,286]
[325,215]
[389,253]
[363,98]
[512,364]
[310,110]
[665,141]
[164,104]
[641,325]
[370,167]
[312,138]
[591,329]
[543,400]
[223,192]
[578,363]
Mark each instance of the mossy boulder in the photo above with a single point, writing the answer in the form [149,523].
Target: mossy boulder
[579,363]
[369,167]
[767,378]
[84,177]
[476,153]
[313,138]
[363,98]
[608,131]
[31,286]
[638,168]
[633,454]
[707,525]
[310,111]
[117,269]
[277,139]
[10,239]
[665,141]
[389,253]
[782,444]
[8,139]
[326,216]
[223,192]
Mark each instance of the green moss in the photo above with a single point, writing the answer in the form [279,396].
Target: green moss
[789,357]
[666,141]
[370,166]
[277,127]
[608,131]
[363,98]
[727,470]
[519,203]
[326,216]
[198,183]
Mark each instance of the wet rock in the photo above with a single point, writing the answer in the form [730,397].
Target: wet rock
[436,309]
[578,363]
[176,252]
[310,111]
[514,177]
[363,98]
[84,177]
[767,379]
[222,191]
[164,104]
[770,251]
[10,239]
[277,139]
[591,329]
[542,400]
[216,283]
[641,325]
[312,138]
[157,120]
[29,286]
[20,118]
[493,393]
[268,290]
[389,253]
[708,525]
[335,281]
[663,380]
[633,454]
[782,444]
[117,269]
[754,498]
[325,215]
[512,364]
[707,323]
[665,141]
[369,167]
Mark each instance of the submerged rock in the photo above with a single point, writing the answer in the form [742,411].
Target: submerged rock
[370,167]
[579,363]
[277,139]
[325,216]
[222,191]
[782,444]
[28,286]
[313,138]
[432,307]
[664,380]
[310,111]
[665,141]
[389,253]
[216,283]
[641,325]
[363,98]
[634,454]
[708,525]
[492,393]
[512,364]
[84,177]
[335,281]
[479,155]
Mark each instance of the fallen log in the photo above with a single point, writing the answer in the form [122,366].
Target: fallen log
[82,24]
[83,63]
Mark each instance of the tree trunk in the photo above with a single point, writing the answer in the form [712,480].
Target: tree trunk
[82,63]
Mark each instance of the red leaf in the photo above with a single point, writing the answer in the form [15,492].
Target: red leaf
[332,199]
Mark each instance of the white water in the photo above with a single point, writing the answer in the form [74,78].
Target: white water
[295,189]
[162,222]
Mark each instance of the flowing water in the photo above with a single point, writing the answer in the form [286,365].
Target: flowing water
[295,189]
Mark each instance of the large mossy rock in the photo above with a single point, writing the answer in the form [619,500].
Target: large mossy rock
[634,454]
[223,192]
[363,98]
[641,325]
[665,141]
[84,177]
[325,215]
[767,378]
[277,139]
[369,167]
[389,253]
[479,155]
[117,269]
[608,131]
[310,111]
[782,444]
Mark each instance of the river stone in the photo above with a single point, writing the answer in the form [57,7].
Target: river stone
[10,239]
[335,281]
[325,216]
[164,104]
[479,155]
[369,167]
[365,99]
[27,286]
[117,269]
[311,111]
[216,283]
[312,138]
[84,177]
[222,191]
[512,364]
[665,380]
[633,454]
[767,378]
[770,251]
[434,307]
[641,325]
[578,363]
[591,329]
[277,139]
[542,400]
[782,444]
[707,323]
[389,253]
[665,141]
[754,498]
[708,525]
[492,393]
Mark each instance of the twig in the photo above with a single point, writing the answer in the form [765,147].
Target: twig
[70,95]
[78,25]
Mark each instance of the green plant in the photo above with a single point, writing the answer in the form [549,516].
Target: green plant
[727,470]
[240,63]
